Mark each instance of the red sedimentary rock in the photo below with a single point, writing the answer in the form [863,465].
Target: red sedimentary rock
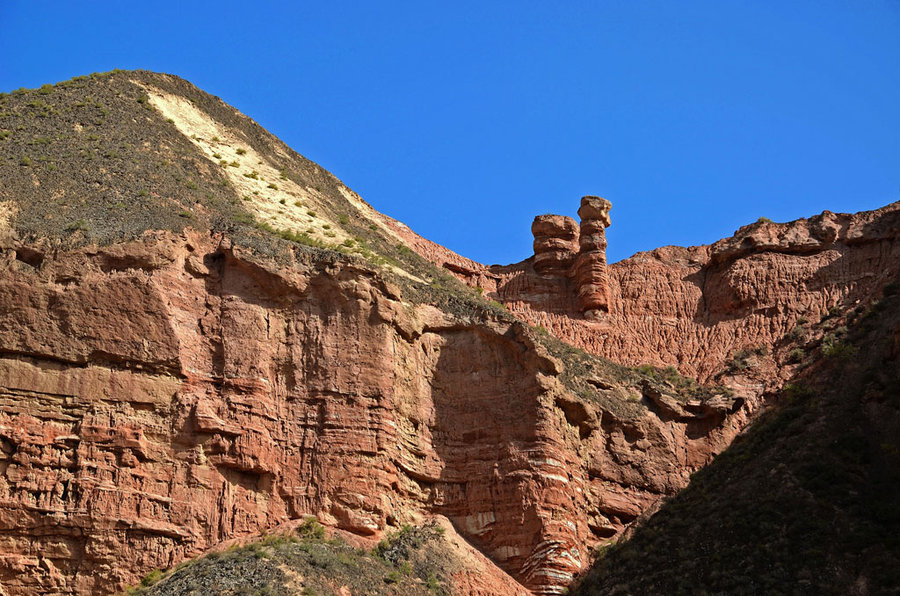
[590,271]
[555,243]
[160,397]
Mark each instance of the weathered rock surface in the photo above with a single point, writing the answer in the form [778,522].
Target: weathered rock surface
[695,308]
[163,396]
[555,243]
[590,269]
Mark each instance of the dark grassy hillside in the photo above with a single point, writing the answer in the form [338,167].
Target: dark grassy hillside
[807,502]
[90,160]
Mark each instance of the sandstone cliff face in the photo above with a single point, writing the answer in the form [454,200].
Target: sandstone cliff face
[163,396]
[696,307]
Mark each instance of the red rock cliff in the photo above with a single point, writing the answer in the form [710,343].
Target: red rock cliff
[160,397]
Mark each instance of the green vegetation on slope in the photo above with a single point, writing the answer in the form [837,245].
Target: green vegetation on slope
[806,502]
[411,561]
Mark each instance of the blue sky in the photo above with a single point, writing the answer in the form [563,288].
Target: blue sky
[466,119]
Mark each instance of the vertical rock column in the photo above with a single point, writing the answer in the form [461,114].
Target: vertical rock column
[591,277]
[555,244]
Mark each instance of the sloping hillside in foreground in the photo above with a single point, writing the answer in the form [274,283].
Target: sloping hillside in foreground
[805,502]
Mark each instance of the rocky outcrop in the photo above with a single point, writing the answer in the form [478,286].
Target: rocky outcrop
[697,308]
[555,244]
[163,396]
[590,272]
[175,391]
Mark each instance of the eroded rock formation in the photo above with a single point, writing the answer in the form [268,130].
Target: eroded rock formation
[555,244]
[163,396]
[695,308]
[590,272]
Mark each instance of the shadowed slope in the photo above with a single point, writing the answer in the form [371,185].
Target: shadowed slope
[806,500]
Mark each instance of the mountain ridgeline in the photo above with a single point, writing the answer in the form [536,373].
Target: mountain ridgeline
[221,370]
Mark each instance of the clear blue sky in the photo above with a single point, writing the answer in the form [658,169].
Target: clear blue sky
[466,119]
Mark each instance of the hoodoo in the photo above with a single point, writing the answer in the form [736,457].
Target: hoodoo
[590,266]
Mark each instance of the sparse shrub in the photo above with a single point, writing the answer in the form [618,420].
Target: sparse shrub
[282,201]
[739,361]
[142,193]
[26,161]
[798,333]
[298,203]
[78,225]
[151,578]
[796,355]
[240,151]
[343,219]
[283,175]
[311,528]
[833,347]
[272,186]
[796,391]
[311,213]
[764,220]
[217,155]
[254,175]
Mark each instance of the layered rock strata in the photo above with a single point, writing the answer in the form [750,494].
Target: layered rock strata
[555,244]
[590,272]
[697,308]
[161,397]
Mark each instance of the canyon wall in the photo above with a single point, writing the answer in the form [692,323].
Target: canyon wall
[161,397]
